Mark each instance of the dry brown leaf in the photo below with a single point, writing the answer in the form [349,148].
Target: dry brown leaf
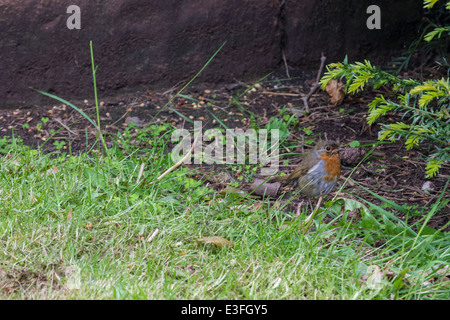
[69,214]
[375,277]
[187,212]
[218,241]
[351,156]
[88,226]
[336,91]
[53,170]
[255,206]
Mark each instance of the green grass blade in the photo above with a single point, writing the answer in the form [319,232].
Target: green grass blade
[190,81]
[221,123]
[390,202]
[181,115]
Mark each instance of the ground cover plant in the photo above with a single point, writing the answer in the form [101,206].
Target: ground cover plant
[76,225]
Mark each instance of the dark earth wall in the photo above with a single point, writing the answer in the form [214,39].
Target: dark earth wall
[140,44]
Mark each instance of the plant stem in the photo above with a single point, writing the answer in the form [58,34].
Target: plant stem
[94,70]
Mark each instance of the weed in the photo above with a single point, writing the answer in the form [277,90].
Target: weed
[424,106]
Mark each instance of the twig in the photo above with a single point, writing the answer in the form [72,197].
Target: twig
[154,234]
[141,171]
[316,85]
[298,211]
[120,118]
[176,165]
[61,123]
[281,94]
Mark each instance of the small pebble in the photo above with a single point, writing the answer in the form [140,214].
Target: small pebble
[428,186]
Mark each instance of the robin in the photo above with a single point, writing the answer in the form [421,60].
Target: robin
[318,172]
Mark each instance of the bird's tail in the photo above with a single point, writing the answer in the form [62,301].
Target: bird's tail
[283,179]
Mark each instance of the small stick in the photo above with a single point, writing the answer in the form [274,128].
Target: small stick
[316,85]
[176,165]
[298,211]
[285,64]
[141,171]
[154,234]
[281,94]
[61,123]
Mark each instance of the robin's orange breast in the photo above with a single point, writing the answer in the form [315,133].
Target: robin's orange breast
[318,172]
[320,179]
[332,166]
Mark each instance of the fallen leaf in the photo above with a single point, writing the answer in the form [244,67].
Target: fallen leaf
[136,120]
[218,241]
[88,226]
[53,170]
[336,91]
[69,214]
[247,207]
[256,206]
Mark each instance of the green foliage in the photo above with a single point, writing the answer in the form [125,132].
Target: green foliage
[96,125]
[59,144]
[436,32]
[87,212]
[425,107]
[354,144]
[435,39]
[281,125]
[10,145]
[428,4]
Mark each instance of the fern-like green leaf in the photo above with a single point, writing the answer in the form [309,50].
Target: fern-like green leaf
[379,111]
[433,167]
[411,142]
[428,4]
[426,98]
[384,134]
[424,105]
[399,126]
[359,82]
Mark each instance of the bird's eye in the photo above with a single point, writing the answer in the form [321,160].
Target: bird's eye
[328,148]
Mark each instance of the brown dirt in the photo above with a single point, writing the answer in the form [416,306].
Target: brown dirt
[391,171]
[157,43]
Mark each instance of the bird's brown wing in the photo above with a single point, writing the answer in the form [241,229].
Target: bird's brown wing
[303,167]
[297,173]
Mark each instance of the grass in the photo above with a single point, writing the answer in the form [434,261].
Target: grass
[107,226]
[80,227]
